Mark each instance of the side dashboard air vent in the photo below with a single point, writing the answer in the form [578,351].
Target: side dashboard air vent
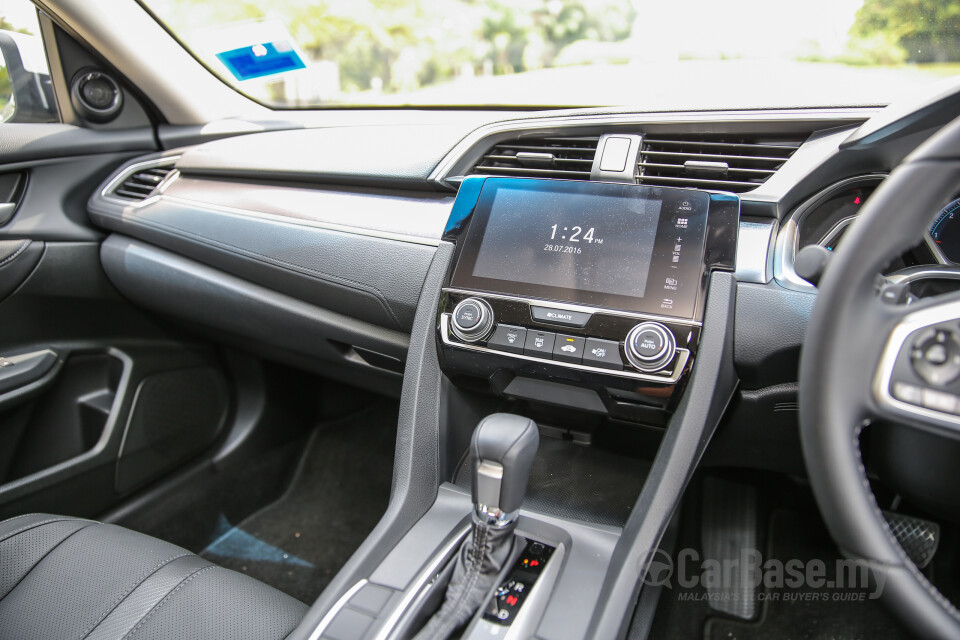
[722,162]
[140,184]
[569,158]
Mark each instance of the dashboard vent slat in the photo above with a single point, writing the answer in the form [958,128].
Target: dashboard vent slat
[141,184]
[541,157]
[697,160]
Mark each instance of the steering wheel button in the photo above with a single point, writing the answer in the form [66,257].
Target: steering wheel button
[908,393]
[939,401]
[936,354]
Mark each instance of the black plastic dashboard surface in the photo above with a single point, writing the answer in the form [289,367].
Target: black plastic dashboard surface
[371,275]
[396,156]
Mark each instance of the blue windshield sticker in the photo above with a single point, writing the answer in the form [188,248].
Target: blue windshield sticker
[266,59]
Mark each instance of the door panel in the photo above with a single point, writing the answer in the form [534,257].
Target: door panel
[97,398]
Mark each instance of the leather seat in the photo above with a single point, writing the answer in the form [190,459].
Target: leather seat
[65,577]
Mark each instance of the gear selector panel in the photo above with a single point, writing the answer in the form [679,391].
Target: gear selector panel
[512,592]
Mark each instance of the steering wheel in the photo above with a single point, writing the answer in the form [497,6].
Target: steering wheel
[858,355]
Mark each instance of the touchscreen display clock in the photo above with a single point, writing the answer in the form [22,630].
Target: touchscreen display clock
[625,247]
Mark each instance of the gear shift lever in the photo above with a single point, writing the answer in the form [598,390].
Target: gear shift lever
[501,451]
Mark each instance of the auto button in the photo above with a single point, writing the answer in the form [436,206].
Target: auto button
[650,346]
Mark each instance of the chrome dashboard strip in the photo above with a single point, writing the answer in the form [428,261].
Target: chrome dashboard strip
[755,250]
[567,306]
[683,356]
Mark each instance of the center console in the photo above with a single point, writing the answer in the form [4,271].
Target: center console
[597,284]
[600,313]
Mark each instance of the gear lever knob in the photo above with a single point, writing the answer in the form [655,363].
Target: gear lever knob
[502,451]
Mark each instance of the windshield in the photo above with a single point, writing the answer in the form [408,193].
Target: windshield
[652,54]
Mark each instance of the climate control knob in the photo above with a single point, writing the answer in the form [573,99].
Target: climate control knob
[472,319]
[650,346]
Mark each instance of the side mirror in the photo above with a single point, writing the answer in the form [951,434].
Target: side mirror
[26,94]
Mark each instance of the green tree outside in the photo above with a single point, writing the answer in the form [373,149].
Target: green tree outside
[924,30]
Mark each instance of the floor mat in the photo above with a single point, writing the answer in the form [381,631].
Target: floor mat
[807,613]
[340,491]
[578,482]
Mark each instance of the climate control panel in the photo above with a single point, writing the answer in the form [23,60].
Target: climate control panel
[598,341]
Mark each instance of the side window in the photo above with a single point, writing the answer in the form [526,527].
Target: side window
[26,94]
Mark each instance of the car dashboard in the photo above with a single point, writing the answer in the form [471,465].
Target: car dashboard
[314,245]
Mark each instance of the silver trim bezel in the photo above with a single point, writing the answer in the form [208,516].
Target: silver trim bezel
[107,192]
[785,252]
[683,356]
[925,272]
[755,241]
[420,587]
[836,230]
[910,324]
[335,609]
[785,249]
[568,306]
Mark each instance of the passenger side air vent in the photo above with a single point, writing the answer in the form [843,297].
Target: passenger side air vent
[722,162]
[569,158]
[140,184]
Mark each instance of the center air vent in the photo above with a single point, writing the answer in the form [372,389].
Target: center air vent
[569,158]
[140,185]
[722,162]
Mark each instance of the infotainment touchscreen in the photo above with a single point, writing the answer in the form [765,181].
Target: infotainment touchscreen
[626,247]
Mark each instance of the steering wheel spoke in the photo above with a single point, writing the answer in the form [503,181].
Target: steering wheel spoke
[917,381]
